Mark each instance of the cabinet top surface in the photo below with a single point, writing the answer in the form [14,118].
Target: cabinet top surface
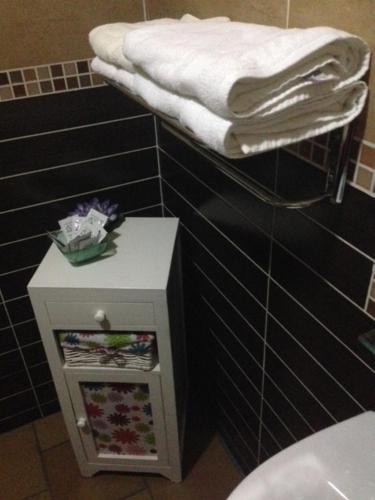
[144,250]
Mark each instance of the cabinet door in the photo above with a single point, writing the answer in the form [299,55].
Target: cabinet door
[119,415]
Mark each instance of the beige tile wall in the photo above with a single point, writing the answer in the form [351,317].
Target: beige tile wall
[37,32]
[356,16]
[272,12]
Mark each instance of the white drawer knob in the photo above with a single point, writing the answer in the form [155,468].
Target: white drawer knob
[99,316]
[81,423]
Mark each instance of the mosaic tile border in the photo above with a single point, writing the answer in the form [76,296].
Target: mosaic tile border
[361,171]
[47,79]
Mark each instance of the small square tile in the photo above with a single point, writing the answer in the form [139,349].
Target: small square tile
[97,79]
[51,431]
[16,76]
[4,80]
[59,84]
[21,470]
[46,86]
[68,483]
[6,93]
[33,88]
[364,178]
[43,72]
[70,69]
[368,156]
[19,90]
[56,70]
[85,80]
[82,67]
[29,75]
[72,82]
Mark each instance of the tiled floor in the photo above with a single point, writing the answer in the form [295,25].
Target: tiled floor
[37,462]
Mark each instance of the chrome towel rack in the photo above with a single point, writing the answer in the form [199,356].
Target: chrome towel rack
[335,177]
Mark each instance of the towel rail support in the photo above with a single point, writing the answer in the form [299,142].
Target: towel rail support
[335,179]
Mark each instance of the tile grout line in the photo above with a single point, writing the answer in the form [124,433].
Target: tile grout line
[159,165]
[287,14]
[343,240]
[226,299]
[216,337]
[237,411]
[337,236]
[237,389]
[284,290]
[63,198]
[282,361]
[324,280]
[22,356]
[328,330]
[77,127]
[238,432]
[218,261]
[39,235]
[40,453]
[146,15]
[371,283]
[228,203]
[18,414]
[13,271]
[322,367]
[228,328]
[76,163]
[303,384]
[216,229]
[266,327]
[301,212]
[266,234]
[290,403]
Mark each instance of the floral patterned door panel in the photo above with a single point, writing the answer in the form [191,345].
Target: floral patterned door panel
[120,417]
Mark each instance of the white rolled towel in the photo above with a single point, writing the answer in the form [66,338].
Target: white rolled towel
[107,40]
[239,138]
[240,69]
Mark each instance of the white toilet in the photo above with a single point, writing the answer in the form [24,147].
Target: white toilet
[337,463]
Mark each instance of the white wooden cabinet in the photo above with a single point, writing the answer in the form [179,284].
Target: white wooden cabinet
[137,289]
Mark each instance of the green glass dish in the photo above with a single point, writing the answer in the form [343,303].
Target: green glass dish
[78,256]
[87,253]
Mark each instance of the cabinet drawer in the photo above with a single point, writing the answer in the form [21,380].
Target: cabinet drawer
[113,314]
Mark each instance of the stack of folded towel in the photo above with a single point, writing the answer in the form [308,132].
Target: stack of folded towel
[240,88]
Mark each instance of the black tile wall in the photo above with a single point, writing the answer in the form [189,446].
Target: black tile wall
[73,146]
[282,295]
[57,150]
[70,109]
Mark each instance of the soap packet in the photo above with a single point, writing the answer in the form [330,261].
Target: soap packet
[78,229]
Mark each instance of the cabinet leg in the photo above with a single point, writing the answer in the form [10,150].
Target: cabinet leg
[87,471]
[173,475]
